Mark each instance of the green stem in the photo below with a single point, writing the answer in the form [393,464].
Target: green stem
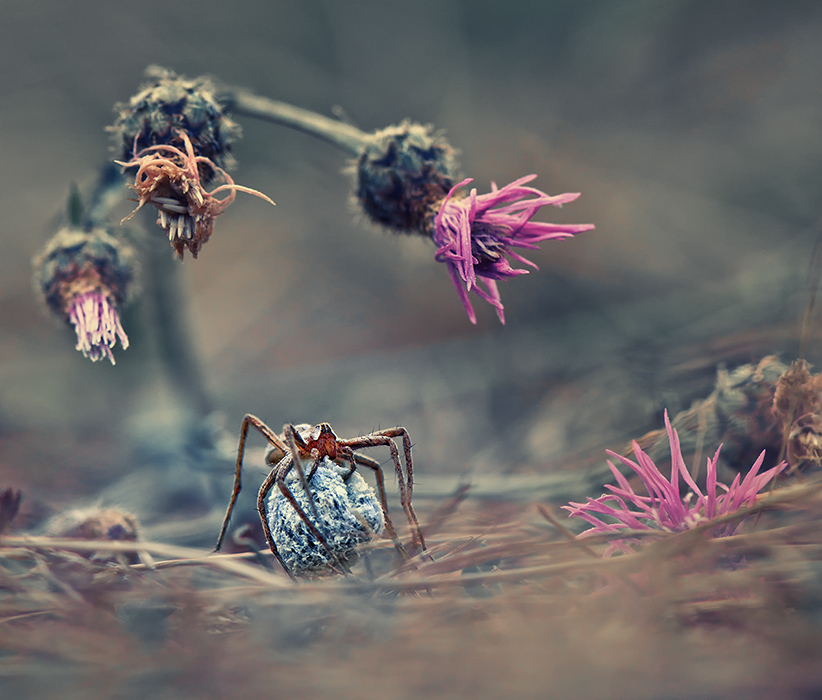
[345,136]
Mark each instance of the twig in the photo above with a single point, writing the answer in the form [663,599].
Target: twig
[227,562]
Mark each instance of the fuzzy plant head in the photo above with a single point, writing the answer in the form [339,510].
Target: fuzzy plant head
[97,523]
[169,106]
[402,171]
[665,508]
[85,277]
[348,514]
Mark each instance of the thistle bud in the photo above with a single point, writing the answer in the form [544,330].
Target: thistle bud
[401,173]
[84,278]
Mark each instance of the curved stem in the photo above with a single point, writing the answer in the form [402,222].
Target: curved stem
[345,136]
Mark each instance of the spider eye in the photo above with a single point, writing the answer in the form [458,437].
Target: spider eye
[322,430]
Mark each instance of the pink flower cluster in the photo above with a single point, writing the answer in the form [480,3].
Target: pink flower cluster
[664,508]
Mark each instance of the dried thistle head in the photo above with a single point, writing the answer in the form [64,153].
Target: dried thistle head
[737,414]
[797,405]
[804,444]
[798,392]
[401,173]
[171,180]
[171,105]
[84,278]
[96,523]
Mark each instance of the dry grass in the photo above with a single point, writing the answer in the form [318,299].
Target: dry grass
[505,606]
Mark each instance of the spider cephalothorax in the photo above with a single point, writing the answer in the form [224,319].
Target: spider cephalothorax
[323,510]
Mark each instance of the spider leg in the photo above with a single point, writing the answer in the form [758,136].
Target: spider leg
[384,437]
[406,447]
[409,471]
[291,436]
[269,435]
[266,487]
[279,476]
[373,464]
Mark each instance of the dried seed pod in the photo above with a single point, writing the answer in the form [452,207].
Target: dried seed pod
[798,405]
[768,406]
[402,173]
[96,523]
[738,414]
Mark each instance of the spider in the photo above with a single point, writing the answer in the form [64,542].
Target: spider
[330,459]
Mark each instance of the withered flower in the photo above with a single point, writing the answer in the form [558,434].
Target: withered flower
[171,180]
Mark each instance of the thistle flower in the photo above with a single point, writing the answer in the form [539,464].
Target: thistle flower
[85,277]
[474,234]
[349,514]
[665,509]
[171,180]
[406,179]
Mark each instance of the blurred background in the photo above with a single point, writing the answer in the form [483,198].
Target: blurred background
[689,127]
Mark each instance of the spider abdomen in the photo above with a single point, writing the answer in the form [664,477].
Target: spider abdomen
[349,513]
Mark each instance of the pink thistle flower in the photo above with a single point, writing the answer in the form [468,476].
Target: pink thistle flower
[477,232]
[665,509]
[171,180]
[85,277]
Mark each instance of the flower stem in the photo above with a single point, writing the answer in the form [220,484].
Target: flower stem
[163,296]
[345,136]
[174,347]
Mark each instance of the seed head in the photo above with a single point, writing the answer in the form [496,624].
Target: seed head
[96,523]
